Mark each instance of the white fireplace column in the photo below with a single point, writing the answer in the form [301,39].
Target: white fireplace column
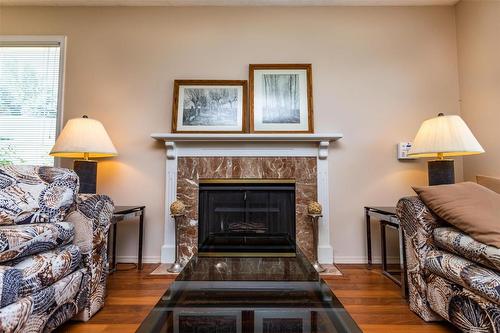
[325,250]
[248,145]
[168,247]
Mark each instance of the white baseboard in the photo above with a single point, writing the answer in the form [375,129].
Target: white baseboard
[145,259]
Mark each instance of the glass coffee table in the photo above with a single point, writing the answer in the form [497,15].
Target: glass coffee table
[247,295]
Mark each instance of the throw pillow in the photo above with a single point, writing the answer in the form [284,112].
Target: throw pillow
[470,207]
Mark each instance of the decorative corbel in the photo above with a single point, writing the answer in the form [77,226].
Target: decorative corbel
[171,153]
[323,150]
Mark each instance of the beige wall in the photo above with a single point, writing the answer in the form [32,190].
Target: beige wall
[377,74]
[478,29]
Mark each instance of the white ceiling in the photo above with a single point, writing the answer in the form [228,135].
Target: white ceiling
[228,2]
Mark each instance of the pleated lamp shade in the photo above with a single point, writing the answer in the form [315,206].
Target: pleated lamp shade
[83,138]
[445,136]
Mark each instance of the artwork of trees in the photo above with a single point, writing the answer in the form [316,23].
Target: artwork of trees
[210,106]
[281,98]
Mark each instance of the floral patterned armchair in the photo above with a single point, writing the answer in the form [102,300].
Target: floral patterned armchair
[450,275]
[53,246]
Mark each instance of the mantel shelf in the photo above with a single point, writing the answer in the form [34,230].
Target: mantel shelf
[247,137]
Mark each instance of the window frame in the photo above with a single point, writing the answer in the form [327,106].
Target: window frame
[46,40]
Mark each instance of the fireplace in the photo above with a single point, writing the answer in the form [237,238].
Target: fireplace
[246,217]
[191,157]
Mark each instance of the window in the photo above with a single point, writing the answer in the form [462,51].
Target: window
[31,79]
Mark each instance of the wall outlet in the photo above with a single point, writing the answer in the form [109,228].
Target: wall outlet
[403,150]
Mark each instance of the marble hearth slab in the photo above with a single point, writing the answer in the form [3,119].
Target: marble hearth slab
[162,269]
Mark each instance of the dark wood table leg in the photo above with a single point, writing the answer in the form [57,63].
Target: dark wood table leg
[402,244]
[113,257]
[141,236]
[108,249]
[368,237]
[383,246]
[383,243]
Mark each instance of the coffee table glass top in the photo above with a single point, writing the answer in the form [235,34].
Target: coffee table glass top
[247,295]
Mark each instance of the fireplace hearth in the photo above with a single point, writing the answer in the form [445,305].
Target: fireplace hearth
[246,217]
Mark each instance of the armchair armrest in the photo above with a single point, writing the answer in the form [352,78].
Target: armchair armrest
[418,224]
[91,217]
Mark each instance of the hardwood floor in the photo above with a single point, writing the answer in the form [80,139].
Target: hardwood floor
[375,302]
[372,300]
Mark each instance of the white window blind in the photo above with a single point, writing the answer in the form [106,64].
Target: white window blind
[30,75]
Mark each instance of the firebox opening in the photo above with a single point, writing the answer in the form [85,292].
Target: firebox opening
[246,217]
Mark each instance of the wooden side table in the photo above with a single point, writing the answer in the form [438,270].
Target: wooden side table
[124,213]
[387,218]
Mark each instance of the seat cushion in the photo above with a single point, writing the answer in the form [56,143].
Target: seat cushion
[32,194]
[18,241]
[478,279]
[32,274]
[462,307]
[43,269]
[10,281]
[455,241]
[48,308]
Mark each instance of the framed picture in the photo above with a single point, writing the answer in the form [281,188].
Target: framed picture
[281,98]
[209,106]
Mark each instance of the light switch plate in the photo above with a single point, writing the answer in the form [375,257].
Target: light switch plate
[403,150]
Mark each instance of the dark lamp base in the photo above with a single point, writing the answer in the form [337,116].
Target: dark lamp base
[87,172]
[441,172]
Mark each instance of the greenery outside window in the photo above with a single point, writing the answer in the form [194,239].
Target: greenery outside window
[31,83]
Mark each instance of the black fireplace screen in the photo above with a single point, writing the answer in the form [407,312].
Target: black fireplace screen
[246,218]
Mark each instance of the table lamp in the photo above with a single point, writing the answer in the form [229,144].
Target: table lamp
[83,139]
[441,137]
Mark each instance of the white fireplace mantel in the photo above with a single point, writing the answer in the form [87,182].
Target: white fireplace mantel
[241,145]
[323,140]
[316,137]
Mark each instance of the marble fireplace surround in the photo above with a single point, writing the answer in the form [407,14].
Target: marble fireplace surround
[191,169]
[189,157]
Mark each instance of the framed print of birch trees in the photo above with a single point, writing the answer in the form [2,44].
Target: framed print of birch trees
[281,98]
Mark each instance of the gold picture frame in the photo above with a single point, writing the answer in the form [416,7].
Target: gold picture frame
[281,98]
